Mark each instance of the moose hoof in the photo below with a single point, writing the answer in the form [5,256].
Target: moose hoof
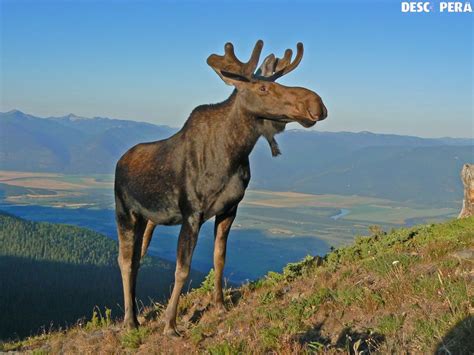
[220,308]
[131,324]
[171,332]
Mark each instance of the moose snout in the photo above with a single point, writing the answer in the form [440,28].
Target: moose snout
[312,110]
[317,110]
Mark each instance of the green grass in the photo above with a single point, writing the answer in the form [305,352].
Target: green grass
[349,295]
[207,284]
[134,338]
[270,336]
[227,348]
[390,324]
[100,320]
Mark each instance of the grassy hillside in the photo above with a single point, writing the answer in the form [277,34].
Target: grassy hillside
[52,275]
[410,290]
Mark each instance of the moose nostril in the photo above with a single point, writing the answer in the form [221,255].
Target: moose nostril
[316,109]
[325,112]
[316,113]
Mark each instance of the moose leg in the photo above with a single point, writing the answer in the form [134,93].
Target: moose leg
[186,243]
[130,232]
[221,232]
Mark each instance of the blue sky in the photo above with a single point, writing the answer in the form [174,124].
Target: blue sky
[375,68]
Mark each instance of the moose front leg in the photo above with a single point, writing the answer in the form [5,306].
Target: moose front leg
[186,243]
[221,232]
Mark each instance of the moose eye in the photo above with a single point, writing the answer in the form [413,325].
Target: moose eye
[263,88]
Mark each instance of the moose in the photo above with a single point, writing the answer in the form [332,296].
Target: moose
[203,170]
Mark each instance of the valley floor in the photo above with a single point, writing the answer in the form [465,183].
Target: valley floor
[410,290]
[288,225]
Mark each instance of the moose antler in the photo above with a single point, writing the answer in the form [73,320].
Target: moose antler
[273,68]
[228,65]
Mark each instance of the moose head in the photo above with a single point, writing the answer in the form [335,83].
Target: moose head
[258,92]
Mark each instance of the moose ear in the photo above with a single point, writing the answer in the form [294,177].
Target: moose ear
[232,79]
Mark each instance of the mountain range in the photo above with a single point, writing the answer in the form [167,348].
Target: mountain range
[395,167]
[69,144]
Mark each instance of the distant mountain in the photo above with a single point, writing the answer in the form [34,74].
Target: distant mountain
[56,274]
[401,168]
[69,144]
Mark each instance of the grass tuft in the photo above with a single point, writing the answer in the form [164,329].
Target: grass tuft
[135,337]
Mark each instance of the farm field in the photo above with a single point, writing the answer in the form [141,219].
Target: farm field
[279,214]
[57,190]
[334,218]
[359,208]
[272,228]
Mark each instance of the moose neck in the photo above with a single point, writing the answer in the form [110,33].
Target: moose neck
[227,125]
[241,126]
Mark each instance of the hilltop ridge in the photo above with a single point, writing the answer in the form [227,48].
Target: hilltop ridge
[409,290]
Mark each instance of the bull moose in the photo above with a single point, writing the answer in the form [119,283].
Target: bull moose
[202,171]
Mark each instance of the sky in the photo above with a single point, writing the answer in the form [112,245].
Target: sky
[376,68]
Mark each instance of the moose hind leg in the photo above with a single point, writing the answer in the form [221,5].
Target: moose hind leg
[221,232]
[186,243]
[130,233]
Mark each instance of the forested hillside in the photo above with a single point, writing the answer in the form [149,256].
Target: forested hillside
[52,275]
